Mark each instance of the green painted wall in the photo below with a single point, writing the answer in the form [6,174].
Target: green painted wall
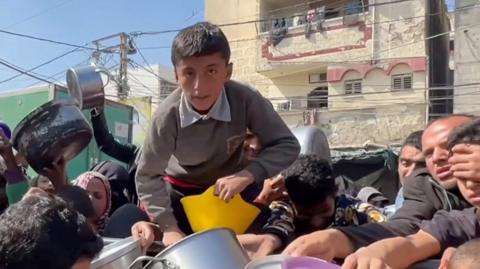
[14,107]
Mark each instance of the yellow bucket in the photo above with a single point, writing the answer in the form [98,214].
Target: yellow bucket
[207,211]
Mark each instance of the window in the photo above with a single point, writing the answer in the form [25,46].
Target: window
[353,86]
[318,98]
[402,81]
[317,78]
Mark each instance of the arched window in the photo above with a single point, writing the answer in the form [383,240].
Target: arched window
[318,98]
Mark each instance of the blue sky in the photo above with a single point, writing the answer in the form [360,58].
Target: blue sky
[79,22]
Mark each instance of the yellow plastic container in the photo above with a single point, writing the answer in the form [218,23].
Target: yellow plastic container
[207,211]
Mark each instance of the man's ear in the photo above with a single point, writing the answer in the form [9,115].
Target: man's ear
[176,76]
[229,71]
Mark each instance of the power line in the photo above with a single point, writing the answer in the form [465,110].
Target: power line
[9,65]
[40,65]
[52,41]
[36,14]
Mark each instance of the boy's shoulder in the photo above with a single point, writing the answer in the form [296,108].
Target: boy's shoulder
[169,105]
[237,88]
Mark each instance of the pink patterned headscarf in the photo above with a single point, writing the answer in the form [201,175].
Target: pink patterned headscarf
[82,181]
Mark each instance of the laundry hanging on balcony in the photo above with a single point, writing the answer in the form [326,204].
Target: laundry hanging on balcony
[278,32]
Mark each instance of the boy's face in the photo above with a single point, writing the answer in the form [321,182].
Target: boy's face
[319,216]
[470,190]
[410,159]
[202,79]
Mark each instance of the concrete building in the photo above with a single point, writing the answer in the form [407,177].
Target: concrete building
[359,69]
[155,82]
[467,57]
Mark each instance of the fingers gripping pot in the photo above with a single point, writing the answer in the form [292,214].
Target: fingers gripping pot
[55,129]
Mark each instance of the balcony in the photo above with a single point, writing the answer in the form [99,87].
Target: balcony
[295,39]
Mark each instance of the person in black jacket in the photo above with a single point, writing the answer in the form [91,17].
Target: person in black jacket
[126,153]
[426,191]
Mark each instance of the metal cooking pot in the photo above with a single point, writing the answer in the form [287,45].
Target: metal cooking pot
[216,248]
[117,253]
[85,85]
[55,129]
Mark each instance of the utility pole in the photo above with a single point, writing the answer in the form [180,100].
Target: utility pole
[123,79]
[125,48]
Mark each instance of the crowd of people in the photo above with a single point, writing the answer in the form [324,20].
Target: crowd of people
[213,131]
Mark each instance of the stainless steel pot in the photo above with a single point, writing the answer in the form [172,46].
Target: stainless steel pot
[216,248]
[55,129]
[117,253]
[85,85]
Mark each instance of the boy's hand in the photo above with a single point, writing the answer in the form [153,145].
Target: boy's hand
[229,186]
[172,235]
[259,245]
[327,245]
[365,259]
[145,232]
[464,162]
[273,189]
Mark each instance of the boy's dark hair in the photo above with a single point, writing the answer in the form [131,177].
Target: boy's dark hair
[78,199]
[414,139]
[468,133]
[466,256]
[200,39]
[44,232]
[309,181]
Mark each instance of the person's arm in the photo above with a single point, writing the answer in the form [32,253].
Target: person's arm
[151,188]
[421,202]
[281,222]
[398,252]
[16,182]
[280,148]
[107,143]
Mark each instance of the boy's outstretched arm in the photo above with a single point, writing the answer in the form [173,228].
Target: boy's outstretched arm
[152,191]
[394,253]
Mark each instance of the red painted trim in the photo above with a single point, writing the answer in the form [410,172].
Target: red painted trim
[417,64]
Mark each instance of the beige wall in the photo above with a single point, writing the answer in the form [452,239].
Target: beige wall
[374,86]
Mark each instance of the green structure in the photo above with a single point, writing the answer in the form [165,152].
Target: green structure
[14,106]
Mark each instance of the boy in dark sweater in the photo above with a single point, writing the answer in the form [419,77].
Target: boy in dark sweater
[446,229]
[196,135]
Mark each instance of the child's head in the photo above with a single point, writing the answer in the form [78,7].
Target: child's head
[201,55]
[466,256]
[468,133]
[44,232]
[311,187]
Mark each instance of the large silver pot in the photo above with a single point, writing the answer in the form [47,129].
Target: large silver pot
[85,85]
[53,130]
[216,248]
[117,253]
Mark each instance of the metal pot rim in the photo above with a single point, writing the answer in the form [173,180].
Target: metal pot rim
[22,124]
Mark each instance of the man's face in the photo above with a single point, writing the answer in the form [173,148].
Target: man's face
[319,216]
[434,148]
[202,79]
[410,159]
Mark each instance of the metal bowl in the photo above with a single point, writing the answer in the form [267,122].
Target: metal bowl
[55,129]
[86,87]
[216,248]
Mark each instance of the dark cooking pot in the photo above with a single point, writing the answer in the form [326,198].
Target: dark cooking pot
[85,85]
[55,129]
